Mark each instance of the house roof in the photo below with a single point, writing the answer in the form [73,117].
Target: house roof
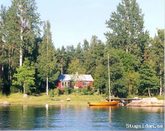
[81,77]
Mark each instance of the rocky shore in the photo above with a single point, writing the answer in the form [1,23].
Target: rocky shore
[147,102]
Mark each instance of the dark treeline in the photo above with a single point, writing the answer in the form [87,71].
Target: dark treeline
[31,64]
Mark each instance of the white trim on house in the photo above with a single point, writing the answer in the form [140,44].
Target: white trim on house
[76,77]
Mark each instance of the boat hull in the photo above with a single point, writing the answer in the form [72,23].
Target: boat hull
[106,103]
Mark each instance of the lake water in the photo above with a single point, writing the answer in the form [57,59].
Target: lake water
[79,118]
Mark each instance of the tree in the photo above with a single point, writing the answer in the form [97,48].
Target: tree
[76,67]
[2,34]
[86,45]
[127,28]
[100,78]
[93,56]
[131,80]
[46,61]
[148,80]
[27,25]
[158,56]
[24,76]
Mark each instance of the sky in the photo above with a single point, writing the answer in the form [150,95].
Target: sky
[72,21]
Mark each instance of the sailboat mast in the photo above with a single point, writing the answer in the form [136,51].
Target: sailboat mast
[109,81]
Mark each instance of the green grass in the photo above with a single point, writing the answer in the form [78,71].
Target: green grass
[160,97]
[75,99]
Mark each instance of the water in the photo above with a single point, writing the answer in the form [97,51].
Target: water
[79,118]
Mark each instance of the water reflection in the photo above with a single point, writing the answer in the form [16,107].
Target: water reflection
[148,109]
[66,117]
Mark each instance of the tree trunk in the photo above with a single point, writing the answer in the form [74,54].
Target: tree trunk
[21,50]
[20,57]
[47,88]
[9,68]
[149,92]
[160,82]
[160,89]
[24,89]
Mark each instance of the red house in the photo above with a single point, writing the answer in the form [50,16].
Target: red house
[74,80]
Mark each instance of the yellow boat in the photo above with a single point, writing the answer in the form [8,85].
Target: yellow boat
[105,103]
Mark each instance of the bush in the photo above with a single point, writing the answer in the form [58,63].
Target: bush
[51,93]
[58,91]
[86,91]
[68,90]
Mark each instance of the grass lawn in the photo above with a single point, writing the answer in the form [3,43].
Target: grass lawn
[18,98]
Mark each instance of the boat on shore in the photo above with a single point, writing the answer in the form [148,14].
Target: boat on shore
[104,103]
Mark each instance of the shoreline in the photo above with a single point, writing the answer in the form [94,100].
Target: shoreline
[79,100]
[62,100]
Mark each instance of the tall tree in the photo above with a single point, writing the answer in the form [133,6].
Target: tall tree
[127,28]
[93,55]
[158,55]
[27,18]
[47,59]
[2,34]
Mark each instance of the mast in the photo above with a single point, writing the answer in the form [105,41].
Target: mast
[109,81]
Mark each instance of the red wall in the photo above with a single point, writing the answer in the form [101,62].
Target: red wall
[79,84]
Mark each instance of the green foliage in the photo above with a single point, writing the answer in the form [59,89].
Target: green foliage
[75,66]
[148,80]
[52,93]
[126,26]
[131,80]
[136,60]
[124,78]
[100,78]
[85,91]
[58,91]
[157,56]
[46,61]
[68,90]
[24,76]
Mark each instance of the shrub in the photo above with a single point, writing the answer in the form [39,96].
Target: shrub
[58,91]
[68,90]
[51,93]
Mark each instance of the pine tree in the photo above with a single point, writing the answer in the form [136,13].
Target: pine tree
[46,61]
[158,56]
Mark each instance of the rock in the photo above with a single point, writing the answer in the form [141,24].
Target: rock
[153,101]
[68,99]
[136,98]
[25,95]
